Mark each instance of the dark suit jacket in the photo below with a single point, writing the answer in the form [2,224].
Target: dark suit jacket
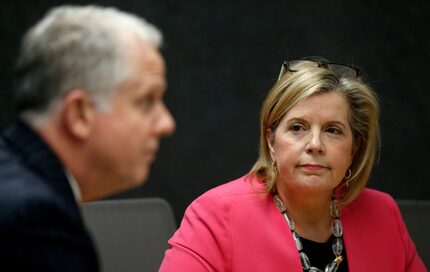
[41,228]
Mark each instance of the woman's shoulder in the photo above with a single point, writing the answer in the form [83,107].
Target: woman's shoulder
[243,186]
[234,193]
[373,202]
[373,196]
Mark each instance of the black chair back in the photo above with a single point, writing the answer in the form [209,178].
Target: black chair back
[130,234]
[416,214]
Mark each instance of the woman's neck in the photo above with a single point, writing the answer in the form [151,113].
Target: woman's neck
[310,213]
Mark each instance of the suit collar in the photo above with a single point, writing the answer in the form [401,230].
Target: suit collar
[38,156]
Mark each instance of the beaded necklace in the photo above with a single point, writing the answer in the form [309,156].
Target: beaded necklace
[336,228]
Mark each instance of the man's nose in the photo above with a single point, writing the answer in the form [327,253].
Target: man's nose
[165,125]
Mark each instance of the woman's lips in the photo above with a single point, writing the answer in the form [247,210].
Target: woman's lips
[312,167]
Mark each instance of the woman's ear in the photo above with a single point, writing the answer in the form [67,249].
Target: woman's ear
[78,114]
[270,139]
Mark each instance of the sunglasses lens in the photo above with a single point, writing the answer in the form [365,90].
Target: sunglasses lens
[339,69]
[343,70]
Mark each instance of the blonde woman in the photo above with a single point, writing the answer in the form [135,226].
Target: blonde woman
[303,206]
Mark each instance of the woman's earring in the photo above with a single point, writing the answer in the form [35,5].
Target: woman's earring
[348,177]
[274,166]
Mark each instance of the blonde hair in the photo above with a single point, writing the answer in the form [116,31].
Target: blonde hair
[308,80]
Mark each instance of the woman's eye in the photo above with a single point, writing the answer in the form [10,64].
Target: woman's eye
[296,127]
[334,130]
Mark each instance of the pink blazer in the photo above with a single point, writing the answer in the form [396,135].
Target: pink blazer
[235,227]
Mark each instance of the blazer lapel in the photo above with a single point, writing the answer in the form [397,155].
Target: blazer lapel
[361,234]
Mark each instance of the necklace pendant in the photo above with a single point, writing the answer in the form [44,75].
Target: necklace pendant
[315,269]
[338,259]
[289,221]
[297,240]
[305,261]
[334,208]
[333,266]
[278,203]
[337,247]
[336,228]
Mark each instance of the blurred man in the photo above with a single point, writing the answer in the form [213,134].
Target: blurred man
[90,85]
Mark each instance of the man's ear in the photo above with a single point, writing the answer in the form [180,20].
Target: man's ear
[78,113]
[270,139]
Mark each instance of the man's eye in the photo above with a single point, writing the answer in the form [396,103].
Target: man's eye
[147,102]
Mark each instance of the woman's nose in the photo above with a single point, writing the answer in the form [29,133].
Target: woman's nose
[315,144]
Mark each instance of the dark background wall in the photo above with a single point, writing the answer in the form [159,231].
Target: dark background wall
[223,57]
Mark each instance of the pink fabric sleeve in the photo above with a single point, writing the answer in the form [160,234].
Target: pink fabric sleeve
[202,243]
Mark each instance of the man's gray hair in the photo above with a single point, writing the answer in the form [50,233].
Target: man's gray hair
[76,47]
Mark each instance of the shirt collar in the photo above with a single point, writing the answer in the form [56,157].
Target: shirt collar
[74,186]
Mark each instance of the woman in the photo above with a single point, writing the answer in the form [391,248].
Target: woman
[303,206]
